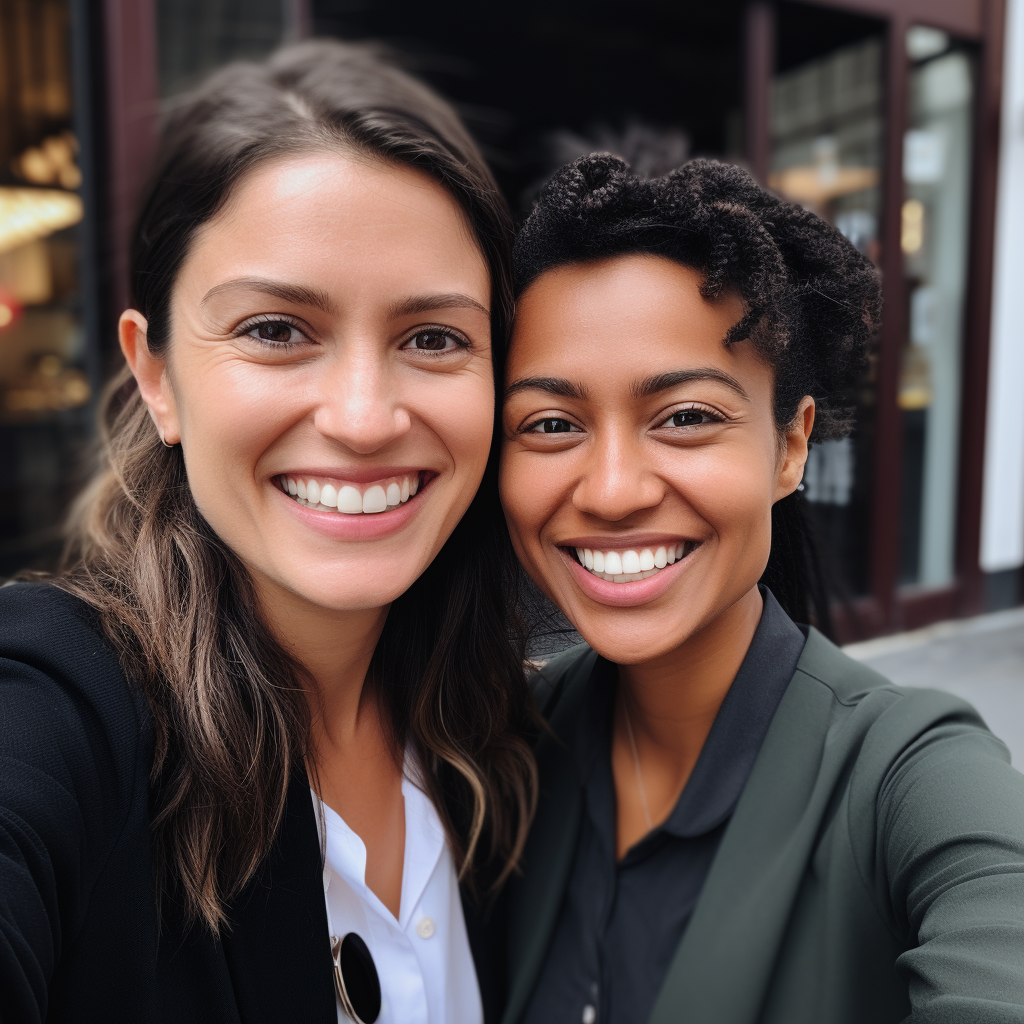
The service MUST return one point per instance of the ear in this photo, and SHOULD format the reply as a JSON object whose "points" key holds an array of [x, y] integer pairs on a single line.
{"points": [[794, 455], [150, 374]]}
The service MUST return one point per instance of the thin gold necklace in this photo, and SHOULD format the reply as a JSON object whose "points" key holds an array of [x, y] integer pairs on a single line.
{"points": [[636, 767]]}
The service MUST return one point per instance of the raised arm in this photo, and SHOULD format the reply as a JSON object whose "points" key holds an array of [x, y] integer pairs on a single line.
{"points": [[951, 838]]}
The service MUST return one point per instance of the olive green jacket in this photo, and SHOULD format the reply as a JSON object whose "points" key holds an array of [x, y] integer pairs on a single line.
{"points": [[872, 872]]}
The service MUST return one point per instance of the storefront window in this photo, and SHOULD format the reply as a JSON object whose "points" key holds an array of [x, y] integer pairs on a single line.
{"points": [[827, 133], [934, 240], [45, 410]]}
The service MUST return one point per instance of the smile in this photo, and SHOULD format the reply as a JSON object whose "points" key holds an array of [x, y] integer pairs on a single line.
{"points": [[628, 566], [332, 495]]}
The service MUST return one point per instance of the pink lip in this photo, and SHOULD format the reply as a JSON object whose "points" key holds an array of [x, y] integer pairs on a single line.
{"points": [[365, 526], [625, 595]]}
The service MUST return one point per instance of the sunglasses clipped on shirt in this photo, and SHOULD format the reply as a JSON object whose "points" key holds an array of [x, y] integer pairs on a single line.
{"points": [[355, 978]]}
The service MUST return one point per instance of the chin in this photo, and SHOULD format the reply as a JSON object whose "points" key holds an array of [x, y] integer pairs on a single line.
{"points": [[628, 640], [350, 588]]}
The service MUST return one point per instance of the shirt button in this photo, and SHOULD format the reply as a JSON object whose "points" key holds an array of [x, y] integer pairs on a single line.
{"points": [[425, 928], [589, 1014]]}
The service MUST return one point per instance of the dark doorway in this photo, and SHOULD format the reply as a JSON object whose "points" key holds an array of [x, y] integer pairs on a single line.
{"points": [[530, 78]]}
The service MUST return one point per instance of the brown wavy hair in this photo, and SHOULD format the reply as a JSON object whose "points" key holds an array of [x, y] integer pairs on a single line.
{"points": [[231, 717]]}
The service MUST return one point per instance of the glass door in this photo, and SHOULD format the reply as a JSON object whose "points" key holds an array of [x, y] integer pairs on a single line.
{"points": [[827, 135], [934, 238]]}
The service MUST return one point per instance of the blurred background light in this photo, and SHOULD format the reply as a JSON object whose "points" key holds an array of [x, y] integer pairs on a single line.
{"points": [[27, 214]]}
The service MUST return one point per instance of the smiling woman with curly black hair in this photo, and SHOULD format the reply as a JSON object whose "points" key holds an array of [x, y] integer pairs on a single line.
{"points": [[738, 823]]}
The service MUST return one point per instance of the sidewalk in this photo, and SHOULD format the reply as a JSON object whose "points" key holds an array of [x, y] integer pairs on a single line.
{"points": [[980, 660]]}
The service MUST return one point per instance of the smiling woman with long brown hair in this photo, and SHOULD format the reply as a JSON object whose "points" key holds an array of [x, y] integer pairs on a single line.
{"points": [[738, 824], [289, 573]]}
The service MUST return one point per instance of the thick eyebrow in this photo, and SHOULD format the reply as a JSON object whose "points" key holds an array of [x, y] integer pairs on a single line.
{"points": [[663, 381], [426, 303], [552, 385], [297, 293]]}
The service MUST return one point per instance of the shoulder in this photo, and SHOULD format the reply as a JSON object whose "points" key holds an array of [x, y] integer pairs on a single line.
{"points": [[41, 615], [855, 689], [890, 732], [55, 664]]}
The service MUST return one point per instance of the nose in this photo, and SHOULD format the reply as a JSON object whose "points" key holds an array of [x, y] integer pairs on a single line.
{"points": [[360, 403], [616, 481]]}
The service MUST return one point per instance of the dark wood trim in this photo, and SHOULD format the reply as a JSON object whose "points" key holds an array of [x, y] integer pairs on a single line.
{"points": [[760, 67], [860, 619], [885, 518], [978, 324], [87, 58], [298, 20], [921, 607], [963, 18], [132, 109]]}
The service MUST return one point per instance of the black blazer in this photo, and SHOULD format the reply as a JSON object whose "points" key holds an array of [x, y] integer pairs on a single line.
{"points": [[79, 939]]}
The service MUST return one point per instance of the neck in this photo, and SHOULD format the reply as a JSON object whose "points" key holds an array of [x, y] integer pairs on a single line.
{"points": [[335, 648], [672, 700]]}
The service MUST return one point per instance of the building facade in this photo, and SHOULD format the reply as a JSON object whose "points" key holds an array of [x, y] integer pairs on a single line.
{"points": [[900, 121]]}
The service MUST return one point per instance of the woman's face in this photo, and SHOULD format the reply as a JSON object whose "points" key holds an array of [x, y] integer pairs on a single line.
{"points": [[640, 459], [329, 376]]}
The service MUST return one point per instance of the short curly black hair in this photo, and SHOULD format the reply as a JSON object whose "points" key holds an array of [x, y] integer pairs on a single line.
{"points": [[812, 300]]}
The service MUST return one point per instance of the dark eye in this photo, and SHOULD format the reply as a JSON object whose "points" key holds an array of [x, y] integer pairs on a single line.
{"points": [[551, 426], [688, 418], [432, 341], [275, 332]]}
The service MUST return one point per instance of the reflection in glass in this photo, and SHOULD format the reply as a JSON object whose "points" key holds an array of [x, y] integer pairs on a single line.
{"points": [[934, 239], [827, 155]]}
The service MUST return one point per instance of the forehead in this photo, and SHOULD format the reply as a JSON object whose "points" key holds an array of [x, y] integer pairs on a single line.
{"points": [[329, 218], [621, 312]]}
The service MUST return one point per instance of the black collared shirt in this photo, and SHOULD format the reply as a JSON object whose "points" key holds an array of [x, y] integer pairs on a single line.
{"points": [[621, 923]]}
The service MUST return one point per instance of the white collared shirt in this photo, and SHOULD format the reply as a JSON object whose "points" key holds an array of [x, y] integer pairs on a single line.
{"points": [[423, 959]]}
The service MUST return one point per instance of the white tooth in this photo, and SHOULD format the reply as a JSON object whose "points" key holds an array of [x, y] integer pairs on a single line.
{"points": [[375, 500], [646, 559], [579, 555], [300, 488], [679, 551], [632, 577], [598, 561], [613, 563], [588, 558], [394, 494], [414, 485], [350, 500], [630, 562], [293, 487], [329, 496], [671, 555], [405, 488], [660, 558], [313, 492]]}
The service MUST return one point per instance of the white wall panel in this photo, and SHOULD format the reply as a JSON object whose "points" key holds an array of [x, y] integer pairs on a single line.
{"points": [[1002, 527]]}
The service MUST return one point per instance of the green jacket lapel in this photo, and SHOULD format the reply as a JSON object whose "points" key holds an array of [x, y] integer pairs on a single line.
{"points": [[535, 897], [724, 964]]}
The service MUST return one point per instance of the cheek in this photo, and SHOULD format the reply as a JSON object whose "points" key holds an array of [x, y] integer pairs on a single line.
{"points": [[229, 416], [462, 417], [733, 495], [526, 499]]}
